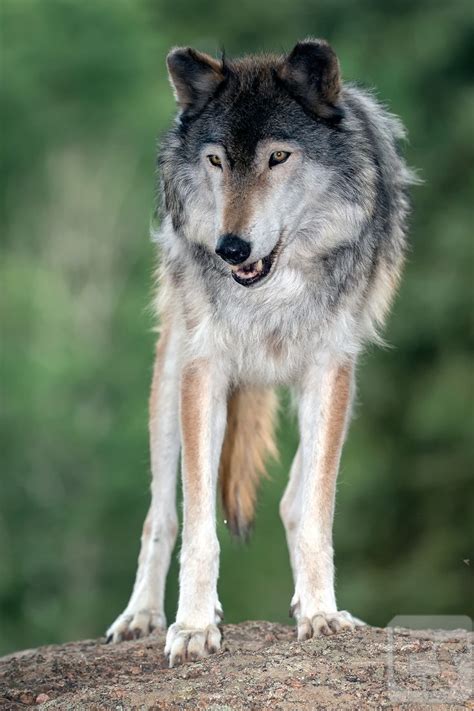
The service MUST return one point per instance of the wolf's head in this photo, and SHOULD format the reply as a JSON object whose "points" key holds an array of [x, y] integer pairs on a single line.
{"points": [[253, 148]]}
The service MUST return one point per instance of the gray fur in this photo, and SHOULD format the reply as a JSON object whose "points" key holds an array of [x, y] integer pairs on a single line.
{"points": [[275, 152], [347, 238]]}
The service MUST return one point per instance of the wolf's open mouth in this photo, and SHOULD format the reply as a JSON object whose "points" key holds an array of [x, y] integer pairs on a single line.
{"points": [[250, 274]]}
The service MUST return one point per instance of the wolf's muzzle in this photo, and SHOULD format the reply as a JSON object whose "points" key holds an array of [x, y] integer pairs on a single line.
{"points": [[233, 249]]}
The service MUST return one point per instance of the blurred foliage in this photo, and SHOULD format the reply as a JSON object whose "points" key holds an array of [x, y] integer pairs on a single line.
{"points": [[84, 94]]}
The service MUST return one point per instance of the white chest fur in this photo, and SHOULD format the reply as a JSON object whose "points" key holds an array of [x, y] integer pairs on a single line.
{"points": [[267, 335]]}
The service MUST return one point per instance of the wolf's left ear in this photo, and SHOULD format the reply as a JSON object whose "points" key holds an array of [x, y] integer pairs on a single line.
{"points": [[311, 73], [194, 77]]}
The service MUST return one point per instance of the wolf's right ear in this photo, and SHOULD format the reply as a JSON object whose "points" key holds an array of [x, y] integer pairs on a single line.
{"points": [[194, 77], [311, 73]]}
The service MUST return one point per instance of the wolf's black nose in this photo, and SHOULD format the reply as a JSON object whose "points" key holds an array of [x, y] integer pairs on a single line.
{"points": [[232, 249]]}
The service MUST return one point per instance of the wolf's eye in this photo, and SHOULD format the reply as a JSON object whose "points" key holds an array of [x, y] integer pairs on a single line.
{"points": [[278, 157], [215, 161]]}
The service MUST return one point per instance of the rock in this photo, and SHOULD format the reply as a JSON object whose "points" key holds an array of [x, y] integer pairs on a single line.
{"points": [[261, 668], [42, 698]]}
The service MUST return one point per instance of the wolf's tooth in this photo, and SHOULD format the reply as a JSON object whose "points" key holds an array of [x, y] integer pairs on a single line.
{"points": [[259, 265]]}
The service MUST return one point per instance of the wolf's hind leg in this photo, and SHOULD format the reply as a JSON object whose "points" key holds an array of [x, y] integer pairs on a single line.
{"points": [[290, 506], [145, 610]]}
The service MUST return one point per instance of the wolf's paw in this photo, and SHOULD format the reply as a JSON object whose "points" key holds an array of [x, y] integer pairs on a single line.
{"points": [[133, 625], [184, 644], [326, 623]]}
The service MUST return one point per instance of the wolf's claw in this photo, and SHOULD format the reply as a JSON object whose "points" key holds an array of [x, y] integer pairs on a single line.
{"points": [[324, 624], [184, 644], [135, 625]]}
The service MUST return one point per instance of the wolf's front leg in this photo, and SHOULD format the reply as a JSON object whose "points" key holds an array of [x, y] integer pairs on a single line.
{"points": [[324, 409], [203, 420], [145, 610]]}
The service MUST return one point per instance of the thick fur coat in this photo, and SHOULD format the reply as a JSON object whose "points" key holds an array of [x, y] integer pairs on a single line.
{"points": [[283, 208]]}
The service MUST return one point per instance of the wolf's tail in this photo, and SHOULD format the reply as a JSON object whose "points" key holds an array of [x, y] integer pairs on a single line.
{"points": [[248, 441]]}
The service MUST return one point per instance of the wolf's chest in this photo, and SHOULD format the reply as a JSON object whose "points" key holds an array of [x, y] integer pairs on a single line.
{"points": [[268, 341], [270, 335]]}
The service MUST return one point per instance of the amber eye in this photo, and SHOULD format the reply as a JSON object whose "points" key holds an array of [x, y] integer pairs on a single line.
{"points": [[278, 157], [215, 161]]}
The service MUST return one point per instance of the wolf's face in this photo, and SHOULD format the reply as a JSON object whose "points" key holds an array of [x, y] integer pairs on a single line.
{"points": [[253, 151]]}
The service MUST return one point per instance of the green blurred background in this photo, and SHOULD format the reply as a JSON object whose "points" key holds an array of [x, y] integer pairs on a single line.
{"points": [[84, 95]]}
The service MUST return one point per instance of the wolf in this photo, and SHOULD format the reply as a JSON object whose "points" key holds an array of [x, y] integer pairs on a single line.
{"points": [[283, 206]]}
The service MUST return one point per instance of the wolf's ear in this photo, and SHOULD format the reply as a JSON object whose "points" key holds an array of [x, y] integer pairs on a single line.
{"points": [[194, 77], [311, 73]]}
